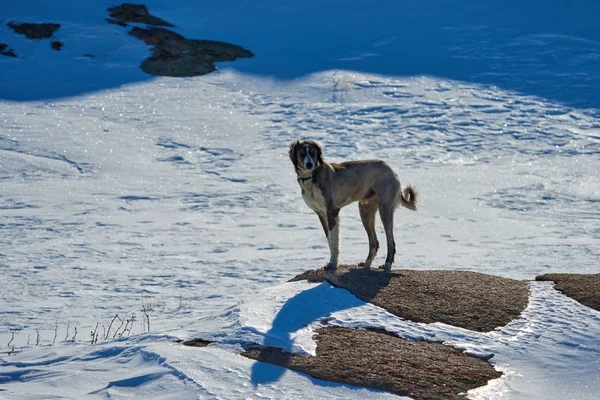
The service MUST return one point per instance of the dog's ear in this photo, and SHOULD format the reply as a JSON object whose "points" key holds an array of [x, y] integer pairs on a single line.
{"points": [[319, 148], [292, 153]]}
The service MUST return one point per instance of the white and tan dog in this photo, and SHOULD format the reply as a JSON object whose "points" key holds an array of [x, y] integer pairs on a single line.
{"points": [[326, 188]]}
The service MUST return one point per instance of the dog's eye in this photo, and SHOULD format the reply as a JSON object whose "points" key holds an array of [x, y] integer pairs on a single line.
{"points": [[303, 152]]}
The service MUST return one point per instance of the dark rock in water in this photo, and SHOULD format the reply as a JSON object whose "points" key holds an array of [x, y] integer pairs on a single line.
{"points": [[585, 288], [174, 55], [4, 52], [469, 300], [56, 45], [419, 369], [34, 31], [136, 13]]}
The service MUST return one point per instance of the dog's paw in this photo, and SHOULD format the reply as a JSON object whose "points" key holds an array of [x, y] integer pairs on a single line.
{"points": [[365, 264], [387, 267], [330, 267]]}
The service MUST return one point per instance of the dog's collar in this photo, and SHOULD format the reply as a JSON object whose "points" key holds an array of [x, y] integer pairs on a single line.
{"points": [[308, 178]]}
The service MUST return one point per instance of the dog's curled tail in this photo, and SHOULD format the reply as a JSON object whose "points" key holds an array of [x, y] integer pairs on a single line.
{"points": [[408, 198]]}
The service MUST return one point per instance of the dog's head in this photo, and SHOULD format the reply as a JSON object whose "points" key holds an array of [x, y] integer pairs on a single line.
{"points": [[306, 155]]}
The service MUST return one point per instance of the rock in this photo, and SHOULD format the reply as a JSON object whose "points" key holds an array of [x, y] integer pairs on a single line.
{"points": [[136, 13], [585, 288], [197, 343], [4, 52], [34, 31], [56, 45], [158, 37], [419, 369], [469, 300], [174, 55]]}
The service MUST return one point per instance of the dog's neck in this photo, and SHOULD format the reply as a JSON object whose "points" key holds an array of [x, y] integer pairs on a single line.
{"points": [[305, 176]]}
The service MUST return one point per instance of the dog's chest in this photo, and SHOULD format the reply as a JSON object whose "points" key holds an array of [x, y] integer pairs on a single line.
{"points": [[313, 197]]}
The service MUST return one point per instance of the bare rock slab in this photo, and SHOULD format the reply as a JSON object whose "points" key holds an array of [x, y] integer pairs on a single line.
{"points": [[196, 343], [34, 31], [421, 370], [127, 12], [174, 55], [584, 288], [469, 300], [5, 51]]}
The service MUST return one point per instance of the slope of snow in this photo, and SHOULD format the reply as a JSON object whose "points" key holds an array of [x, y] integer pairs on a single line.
{"points": [[177, 197]]}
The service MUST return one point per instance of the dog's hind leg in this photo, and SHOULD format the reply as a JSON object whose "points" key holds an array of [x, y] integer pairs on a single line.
{"points": [[368, 209], [387, 217]]}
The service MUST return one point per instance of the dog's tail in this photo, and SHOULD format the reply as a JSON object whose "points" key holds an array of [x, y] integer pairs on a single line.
{"points": [[408, 198]]}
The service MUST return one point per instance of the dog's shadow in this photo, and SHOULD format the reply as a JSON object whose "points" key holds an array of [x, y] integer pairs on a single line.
{"points": [[315, 304]]}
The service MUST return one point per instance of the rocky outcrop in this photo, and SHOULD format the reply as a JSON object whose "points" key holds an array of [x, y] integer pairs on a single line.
{"points": [[469, 300], [419, 369], [378, 359], [5, 51], [56, 45], [585, 288], [34, 31], [136, 13], [174, 55], [196, 343]]}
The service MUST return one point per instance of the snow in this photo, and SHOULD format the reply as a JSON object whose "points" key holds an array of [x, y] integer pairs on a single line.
{"points": [[120, 191]]}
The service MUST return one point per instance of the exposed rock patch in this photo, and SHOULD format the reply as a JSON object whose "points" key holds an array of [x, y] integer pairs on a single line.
{"points": [[56, 45], [585, 288], [174, 55], [421, 370], [465, 299], [127, 12], [197, 343], [5, 51], [34, 31]]}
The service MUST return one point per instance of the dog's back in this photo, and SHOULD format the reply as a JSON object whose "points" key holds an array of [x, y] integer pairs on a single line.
{"points": [[357, 180]]}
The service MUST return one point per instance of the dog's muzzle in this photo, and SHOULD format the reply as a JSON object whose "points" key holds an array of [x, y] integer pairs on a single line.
{"points": [[308, 163]]}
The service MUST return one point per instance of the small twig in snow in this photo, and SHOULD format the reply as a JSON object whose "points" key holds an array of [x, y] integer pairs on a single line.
{"points": [[93, 333], [67, 335], [110, 326]]}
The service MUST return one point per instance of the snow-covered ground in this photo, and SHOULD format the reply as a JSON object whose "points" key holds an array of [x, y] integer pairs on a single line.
{"points": [[177, 197]]}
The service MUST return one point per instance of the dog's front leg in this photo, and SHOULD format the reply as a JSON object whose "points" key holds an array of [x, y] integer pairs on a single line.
{"points": [[333, 224], [323, 219]]}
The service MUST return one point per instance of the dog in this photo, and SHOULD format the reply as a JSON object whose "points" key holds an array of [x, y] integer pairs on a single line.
{"points": [[326, 188]]}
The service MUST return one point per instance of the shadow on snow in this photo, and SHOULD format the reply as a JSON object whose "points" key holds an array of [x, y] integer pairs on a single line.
{"points": [[541, 48], [303, 309]]}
